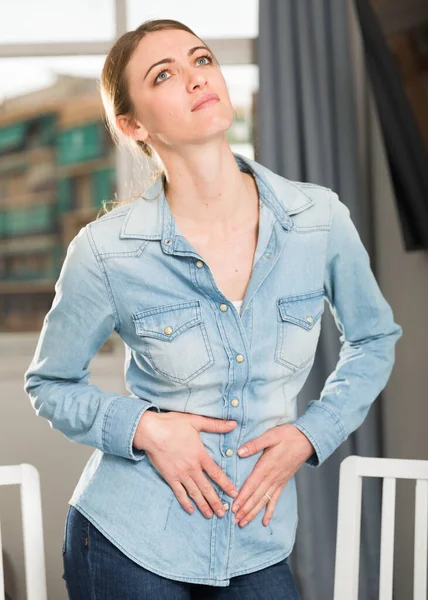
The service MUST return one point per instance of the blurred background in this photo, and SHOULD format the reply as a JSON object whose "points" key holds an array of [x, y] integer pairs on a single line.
{"points": [[334, 92]]}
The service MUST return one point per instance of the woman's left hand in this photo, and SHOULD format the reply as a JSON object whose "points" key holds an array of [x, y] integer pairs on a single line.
{"points": [[286, 449]]}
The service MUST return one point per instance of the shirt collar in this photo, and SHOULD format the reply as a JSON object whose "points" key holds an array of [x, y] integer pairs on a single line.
{"points": [[150, 217]]}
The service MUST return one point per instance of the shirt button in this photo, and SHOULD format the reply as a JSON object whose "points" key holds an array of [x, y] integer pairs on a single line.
{"points": [[235, 402], [225, 506], [229, 452], [199, 264], [168, 330], [168, 242], [310, 319], [223, 307], [239, 358]]}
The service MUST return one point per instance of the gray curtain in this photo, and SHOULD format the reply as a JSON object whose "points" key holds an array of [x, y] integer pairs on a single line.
{"points": [[313, 113]]}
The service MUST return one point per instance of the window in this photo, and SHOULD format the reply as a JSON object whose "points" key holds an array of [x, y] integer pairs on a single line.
{"points": [[219, 19], [52, 21]]}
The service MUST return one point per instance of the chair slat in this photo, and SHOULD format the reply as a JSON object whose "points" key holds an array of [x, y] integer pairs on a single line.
{"points": [[421, 538], [32, 523], [1, 568], [348, 534], [387, 539]]}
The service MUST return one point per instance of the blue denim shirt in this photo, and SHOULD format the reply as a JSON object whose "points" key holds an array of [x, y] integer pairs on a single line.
{"points": [[133, 271]]}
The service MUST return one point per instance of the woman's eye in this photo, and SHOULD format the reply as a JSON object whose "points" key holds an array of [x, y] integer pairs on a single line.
{"points": [[207, 56], [161, 73]]}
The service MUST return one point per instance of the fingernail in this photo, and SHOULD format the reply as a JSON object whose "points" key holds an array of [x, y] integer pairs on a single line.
{"points": [[236, 521], [220, 513], [242, 451], [235, 508], [234, 493], [244, 523]]}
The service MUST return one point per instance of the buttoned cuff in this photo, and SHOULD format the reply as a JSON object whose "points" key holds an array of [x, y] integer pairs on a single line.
{"points": [[323, 429], [120, 424]]}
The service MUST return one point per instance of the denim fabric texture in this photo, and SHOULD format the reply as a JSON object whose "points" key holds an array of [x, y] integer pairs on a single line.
{"points": [[133, 271], [96, 568]]}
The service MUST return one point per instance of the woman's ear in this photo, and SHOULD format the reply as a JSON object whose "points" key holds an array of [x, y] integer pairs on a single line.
{"points": [[131, 128]]}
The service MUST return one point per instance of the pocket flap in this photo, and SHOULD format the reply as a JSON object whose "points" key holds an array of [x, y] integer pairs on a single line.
{"points": [[302, 310], [169, 321]]}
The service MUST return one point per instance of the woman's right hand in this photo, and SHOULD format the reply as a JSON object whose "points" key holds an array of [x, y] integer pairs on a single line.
{"points": [[172, 443]]}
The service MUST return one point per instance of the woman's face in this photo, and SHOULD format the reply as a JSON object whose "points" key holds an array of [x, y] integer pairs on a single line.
{"points": [[164, 95]]}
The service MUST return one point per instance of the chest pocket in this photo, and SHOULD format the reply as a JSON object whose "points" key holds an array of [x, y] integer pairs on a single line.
{"points": [[175, 339], [299, 326]]}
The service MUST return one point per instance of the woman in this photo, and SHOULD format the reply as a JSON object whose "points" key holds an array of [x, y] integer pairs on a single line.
{"points": [[216, 281]]}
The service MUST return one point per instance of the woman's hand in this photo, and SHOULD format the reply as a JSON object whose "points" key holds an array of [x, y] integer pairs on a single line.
{"points": [[286, 449], [172, 443]]}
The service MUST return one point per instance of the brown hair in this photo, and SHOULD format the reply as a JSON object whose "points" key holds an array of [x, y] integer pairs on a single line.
{"points": [[116, 99]]}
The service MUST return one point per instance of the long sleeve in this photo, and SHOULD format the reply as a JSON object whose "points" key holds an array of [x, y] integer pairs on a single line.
{"points": [[368, 338], [80, 320]]}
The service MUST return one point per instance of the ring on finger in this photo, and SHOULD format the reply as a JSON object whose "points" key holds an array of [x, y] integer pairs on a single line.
{"points": [[246, 518]]}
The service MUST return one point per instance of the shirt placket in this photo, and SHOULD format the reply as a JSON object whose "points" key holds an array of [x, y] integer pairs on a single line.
{"points": [[237, 344]]}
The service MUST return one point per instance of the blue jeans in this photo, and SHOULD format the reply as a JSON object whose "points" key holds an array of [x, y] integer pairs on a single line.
{"points": [[94, 568]]}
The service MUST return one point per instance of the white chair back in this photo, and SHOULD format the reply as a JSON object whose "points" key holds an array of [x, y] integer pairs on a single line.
{"points": [[27, 476], [352, 470]]}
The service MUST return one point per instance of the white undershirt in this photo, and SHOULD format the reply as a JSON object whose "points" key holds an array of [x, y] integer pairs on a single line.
{"points": [[237, 304]]}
